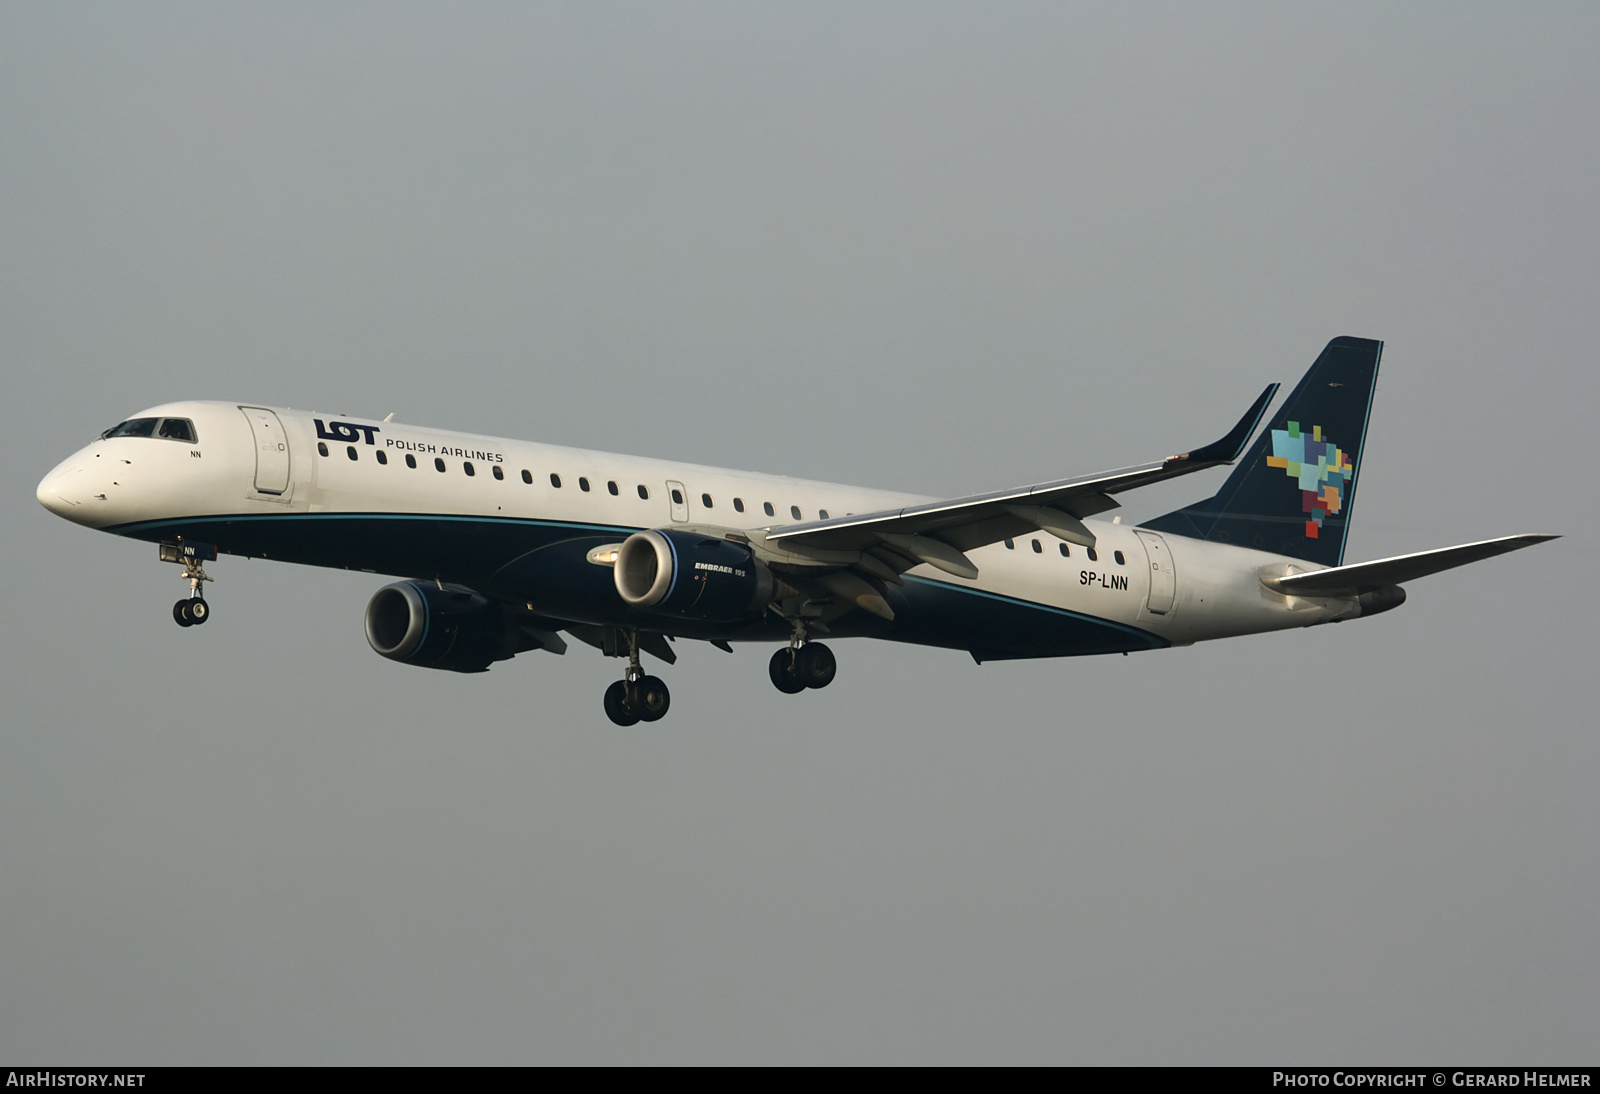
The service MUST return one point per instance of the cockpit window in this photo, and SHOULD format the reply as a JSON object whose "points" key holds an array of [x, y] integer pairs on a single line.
{"points": [[172, 429], [133, 427], [177, 429]]}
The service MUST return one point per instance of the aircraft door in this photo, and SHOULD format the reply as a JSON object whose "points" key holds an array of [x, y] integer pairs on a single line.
{"points": [[679, 497], [272, 450], [1163, 578]]}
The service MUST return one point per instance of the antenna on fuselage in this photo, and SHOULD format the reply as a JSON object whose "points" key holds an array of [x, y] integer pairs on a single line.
{"points": [[390, 417]]}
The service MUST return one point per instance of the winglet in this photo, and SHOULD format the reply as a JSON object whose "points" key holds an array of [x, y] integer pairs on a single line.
{"points": [[1228, 449]]}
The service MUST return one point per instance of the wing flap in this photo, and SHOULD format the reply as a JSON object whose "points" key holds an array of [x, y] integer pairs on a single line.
{"points": [[1367, 576]]}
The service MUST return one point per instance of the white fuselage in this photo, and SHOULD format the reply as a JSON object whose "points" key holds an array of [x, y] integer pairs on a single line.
{"points": [[133, 485]]}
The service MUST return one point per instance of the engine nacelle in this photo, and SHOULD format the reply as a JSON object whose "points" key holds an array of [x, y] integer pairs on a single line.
{"points": [[450, 628], [691, 575]]}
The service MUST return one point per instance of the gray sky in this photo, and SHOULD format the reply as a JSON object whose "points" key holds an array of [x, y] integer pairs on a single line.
{"points": [[936, 247]]}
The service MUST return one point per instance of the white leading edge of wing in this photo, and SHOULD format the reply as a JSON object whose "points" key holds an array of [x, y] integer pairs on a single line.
{"points": [[938, 532]]}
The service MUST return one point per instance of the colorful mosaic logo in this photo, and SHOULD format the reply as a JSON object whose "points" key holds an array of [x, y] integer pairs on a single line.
{"points": [[1321, 468]]}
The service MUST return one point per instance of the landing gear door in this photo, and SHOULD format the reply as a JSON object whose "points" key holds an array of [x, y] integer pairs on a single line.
{"points": [[680, 501], [1163, 578], [272, 450]]}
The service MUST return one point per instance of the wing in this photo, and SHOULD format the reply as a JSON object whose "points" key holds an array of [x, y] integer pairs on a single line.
{"points": [[938, 533], [1366, 576]]}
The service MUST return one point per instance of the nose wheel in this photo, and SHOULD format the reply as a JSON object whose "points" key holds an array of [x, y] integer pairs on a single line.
{"points": [[190, 613], [637, 697]]}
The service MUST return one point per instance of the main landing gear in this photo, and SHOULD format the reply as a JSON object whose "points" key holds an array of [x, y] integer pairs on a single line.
{"points": [[636, 697], [193, 610], [802, 664], [639, 697]]}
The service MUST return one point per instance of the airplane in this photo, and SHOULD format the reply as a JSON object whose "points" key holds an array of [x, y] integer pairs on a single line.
{"points": [[503, 545]]}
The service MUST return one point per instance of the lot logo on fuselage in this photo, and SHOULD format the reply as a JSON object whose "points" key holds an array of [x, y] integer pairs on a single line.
{"points": [[1321, 468], [347, 432]]}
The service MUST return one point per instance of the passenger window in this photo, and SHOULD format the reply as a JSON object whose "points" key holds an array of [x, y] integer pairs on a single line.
{"points": [[583, 484], [527, 476], [350, 450], [643, 493], [411, 461], [498, 474], [382, 456], [467, 467], [177, 429], [555, 480], [1010, 546], [767, 505], [1037, 549], [1064, 552], [705, 499], [1094, 556], [438, 464], [738, 505], [611, 488], [677, 496], [823, 513], [1118, 556], [322, 448], [794, 511]]}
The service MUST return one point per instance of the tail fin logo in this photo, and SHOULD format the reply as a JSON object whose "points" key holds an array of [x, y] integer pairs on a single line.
{"points": [[1322, 469]]}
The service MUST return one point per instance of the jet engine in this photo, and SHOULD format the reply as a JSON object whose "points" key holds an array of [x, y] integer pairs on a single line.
{"points": [[450, 628], [691, 575]]}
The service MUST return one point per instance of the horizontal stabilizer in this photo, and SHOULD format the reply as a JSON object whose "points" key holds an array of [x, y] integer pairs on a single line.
{"points": [[1366, 576]]}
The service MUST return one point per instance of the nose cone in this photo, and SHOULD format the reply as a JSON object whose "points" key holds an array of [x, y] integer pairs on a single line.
{"points": [[59, 491]]}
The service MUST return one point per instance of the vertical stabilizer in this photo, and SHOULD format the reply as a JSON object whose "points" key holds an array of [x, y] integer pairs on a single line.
{"points": [[1293, 492]]}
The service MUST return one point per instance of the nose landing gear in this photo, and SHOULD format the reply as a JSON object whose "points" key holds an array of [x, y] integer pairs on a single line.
{"points": [[194, 610], [637, 697]]}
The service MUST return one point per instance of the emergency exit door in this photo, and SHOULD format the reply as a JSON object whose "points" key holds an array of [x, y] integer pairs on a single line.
{"points": [[678, 496]]}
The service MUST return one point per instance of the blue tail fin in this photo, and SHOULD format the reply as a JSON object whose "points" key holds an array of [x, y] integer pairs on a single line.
{"points": [[1294, 491]]}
